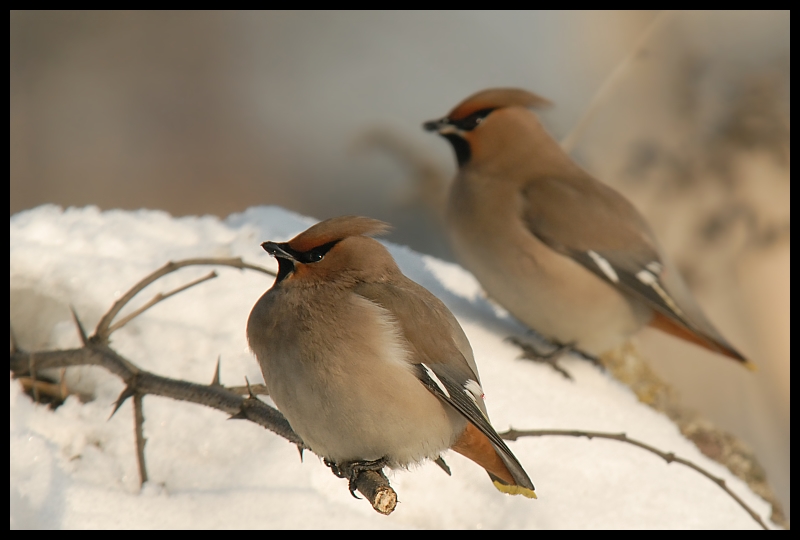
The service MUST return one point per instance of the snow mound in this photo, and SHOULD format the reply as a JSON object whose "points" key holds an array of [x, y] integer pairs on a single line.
{"points": [[75, 468]]}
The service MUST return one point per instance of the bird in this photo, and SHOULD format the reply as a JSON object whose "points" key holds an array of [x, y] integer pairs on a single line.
{"points": [[369, 368], [565, 254]]}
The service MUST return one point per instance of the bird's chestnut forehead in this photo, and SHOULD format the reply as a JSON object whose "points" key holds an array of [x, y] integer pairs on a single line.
{"points": [[335, 229], [497, 98]]}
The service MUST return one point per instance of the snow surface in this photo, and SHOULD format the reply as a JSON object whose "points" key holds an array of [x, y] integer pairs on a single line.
{"points": [[75, 468]]}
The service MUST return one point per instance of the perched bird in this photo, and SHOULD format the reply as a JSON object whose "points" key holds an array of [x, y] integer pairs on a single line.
{"points": [[369, 368], [565, 254]]}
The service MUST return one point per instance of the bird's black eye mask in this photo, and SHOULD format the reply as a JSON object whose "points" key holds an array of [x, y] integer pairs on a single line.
{"points": [[454, 137], [285, 266], [472, 121]]}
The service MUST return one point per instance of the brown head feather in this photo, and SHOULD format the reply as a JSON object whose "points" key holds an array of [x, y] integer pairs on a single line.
{"points": [[496, 98], [337, 228]]}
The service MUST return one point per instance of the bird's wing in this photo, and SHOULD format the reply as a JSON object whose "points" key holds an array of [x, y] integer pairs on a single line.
{"points": [[597, 227], [467, 398], [432, 332], [441, 357]]}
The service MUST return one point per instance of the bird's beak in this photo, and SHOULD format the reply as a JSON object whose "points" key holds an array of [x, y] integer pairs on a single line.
{"points": [[437, 125], [278, 250]]}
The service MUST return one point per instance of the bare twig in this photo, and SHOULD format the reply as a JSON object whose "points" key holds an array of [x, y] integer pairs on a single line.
{"points": [[374, 485], [52, 390], [156, 299], [138, 419], [613, 79], [102, 332], [513, 434]]}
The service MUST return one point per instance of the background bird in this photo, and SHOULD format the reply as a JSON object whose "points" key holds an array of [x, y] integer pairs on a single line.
{"points": [[564, 253], [368, 367]]}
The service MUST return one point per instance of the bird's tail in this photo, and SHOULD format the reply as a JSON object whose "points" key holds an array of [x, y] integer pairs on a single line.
{"points": [[505, 471], [511, 489]]}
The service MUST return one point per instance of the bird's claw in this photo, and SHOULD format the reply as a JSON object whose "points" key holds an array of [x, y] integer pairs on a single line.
{"points": [[551, 358], [351, 470]]}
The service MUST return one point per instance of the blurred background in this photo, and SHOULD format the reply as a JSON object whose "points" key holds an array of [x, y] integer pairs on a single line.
{"points": [[321, 112]]}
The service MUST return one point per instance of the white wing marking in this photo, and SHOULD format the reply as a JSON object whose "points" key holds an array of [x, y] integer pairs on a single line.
{"points": [[604, 265], [649, 279], [433, 376], [654, 267]]}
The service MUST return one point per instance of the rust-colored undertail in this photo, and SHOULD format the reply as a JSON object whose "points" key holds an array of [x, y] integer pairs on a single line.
{"points": [[673, 328], [476, 446]]}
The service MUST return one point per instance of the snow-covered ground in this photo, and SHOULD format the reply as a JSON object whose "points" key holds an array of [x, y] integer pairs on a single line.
{"points": [[75, 468]]}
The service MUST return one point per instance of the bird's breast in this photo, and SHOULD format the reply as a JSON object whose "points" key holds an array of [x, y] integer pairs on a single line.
{"points": [[547, 291], [340, 370]]}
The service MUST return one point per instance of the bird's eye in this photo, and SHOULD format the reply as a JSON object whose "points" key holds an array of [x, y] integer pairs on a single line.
{"points": [[316, 254], [472, 121]]}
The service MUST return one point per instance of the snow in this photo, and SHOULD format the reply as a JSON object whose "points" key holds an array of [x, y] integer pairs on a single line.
{"points": [[76, 468]]}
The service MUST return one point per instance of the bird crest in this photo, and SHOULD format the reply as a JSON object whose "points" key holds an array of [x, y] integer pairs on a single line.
{"points": [[497, 98], [335, 229]]}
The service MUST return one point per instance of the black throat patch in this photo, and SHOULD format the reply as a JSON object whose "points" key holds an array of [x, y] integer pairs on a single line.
{"points": [[285, 267], [460, 146]]}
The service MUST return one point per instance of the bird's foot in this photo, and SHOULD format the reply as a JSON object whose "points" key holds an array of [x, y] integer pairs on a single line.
{"points": [[351, 470], [551, 358]]}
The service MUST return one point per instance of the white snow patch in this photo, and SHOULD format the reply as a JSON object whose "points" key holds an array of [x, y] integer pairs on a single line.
{"points": [[453, 277]]}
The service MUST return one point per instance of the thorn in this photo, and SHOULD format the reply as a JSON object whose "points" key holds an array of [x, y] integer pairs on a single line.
{"points": [[238, 416], [300, 449], [81, 331], [215, 380], [440, 462], [249, 390], [123, 397]]}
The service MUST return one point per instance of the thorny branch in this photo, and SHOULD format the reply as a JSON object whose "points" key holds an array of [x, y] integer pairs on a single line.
{"points": [[514, 434], [140, 383], [95, 351]]}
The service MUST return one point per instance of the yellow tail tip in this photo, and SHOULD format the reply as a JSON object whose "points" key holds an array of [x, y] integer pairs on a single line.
{"points": [[751, 366], [515, 490]]}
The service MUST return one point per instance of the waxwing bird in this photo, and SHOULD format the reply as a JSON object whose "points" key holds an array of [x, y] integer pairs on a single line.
{"points": [[562, 252], [367, 366]]}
